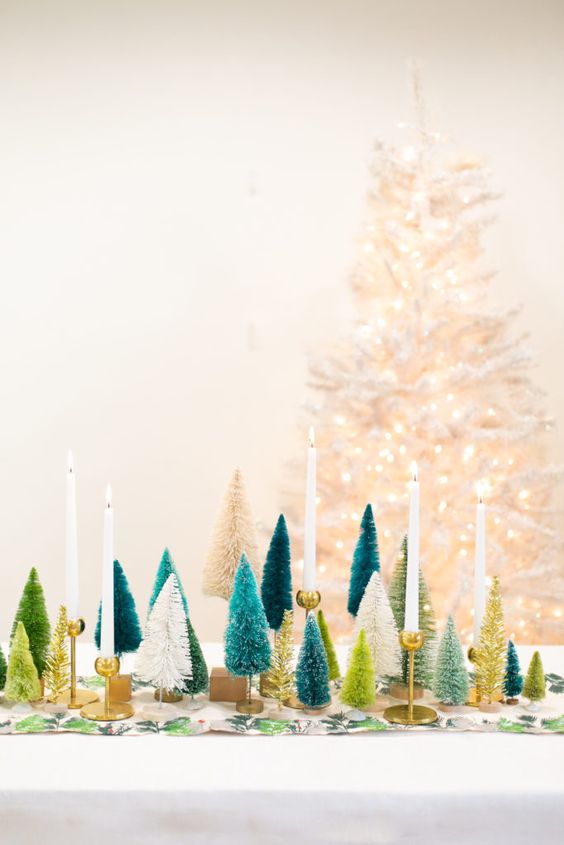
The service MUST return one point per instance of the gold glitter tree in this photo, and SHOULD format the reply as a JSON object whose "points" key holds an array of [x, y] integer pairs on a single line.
{"points": [[490, 654], [57, 667], [280, 678]]}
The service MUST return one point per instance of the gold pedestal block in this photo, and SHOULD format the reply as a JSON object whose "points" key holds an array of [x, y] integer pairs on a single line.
{"points": [[226, 687], [120, 688]]}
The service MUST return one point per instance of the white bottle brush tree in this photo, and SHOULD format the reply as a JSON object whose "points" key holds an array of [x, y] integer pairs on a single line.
{"points": [[164, 657], [375, 617]]}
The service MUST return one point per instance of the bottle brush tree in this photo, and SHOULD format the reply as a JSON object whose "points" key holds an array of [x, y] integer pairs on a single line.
{"points": [[3, 668], [280, 678], [359, 685], [332, 662], [57, 666], [276, 588], [513, 679], [127, 631], [312, 671], [164, 658], [451, 678], [198, 682], [247, 650], [490, 654], [234, 534], [424, 658], [366, 560], [22, 680], [534, 687], [33, 613], [376, 618], [166, 567]]}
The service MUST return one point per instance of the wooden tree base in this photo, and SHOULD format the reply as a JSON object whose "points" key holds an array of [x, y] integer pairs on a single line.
{"points": [[399, 691]]}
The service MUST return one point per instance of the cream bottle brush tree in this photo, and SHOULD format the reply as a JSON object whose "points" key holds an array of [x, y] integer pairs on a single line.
{"points": [[431, 371], [234, 535]]}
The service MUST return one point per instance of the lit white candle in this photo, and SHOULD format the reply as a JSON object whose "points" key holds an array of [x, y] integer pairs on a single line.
{"points": [[479, 565], [309, 533], [71, 558], [411, 621], [107, 625]]}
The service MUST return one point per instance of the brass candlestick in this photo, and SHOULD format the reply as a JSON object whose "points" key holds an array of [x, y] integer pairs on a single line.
{"points": [[75, 698], [308, 599], [107, 711], [410, 713]]}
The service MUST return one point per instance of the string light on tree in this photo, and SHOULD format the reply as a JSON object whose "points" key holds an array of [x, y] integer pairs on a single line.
{"points": [[450, 372]]}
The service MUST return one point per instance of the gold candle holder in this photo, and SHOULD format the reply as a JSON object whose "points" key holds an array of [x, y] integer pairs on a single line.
{"points": [[75, 698], [410, 713], [107, 711], [308, 599]]}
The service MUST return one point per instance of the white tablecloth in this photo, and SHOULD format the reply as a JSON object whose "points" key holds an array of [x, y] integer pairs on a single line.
{"points": [[432, 788]]}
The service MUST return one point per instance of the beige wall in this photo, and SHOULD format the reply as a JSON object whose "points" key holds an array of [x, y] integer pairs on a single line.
{"points": [[180, 190]]}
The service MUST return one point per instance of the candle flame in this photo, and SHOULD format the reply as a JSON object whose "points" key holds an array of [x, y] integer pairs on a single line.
{"points": [[311, 437], [108, 496], [70, 461], [414, 471], [480, 492]]}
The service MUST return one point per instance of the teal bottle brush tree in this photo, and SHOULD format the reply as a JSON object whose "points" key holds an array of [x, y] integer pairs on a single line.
{"points": [[451, 678], [247, 649], [198, 682], [276, 588], [127, 631], [312, 671], [366, 560], [166, 567], [513, 679]]}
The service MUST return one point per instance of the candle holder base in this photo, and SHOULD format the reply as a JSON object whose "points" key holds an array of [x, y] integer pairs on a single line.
{"points": [[107, 710], [410, 713], [80, 698], [399, 715], [99, 712]]}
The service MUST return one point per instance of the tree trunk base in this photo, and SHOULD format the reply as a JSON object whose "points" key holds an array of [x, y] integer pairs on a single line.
{"points": [[400, 692], [489, 706]]}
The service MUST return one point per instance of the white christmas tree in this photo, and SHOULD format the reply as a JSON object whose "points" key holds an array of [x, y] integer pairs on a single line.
{"points": [[376, 618], [234, 534], [164, 657], [433, 372]]}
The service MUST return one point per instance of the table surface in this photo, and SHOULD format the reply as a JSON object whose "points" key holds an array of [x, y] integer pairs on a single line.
{"points": [[384, 787]]}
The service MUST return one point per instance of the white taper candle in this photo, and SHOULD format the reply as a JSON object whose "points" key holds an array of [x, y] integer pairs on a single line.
{"points": [[71, 555], [411, 621], [309, 532], [107, 624], [479, 565]]}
